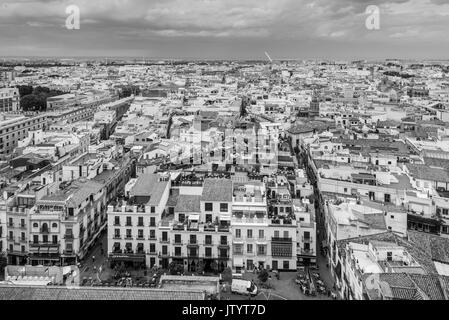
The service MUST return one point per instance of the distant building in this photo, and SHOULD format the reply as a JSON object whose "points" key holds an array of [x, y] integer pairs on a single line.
{"points": [[9, 100]]}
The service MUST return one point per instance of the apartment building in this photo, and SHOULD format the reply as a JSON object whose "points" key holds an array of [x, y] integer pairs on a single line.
{"points": [[200, 228], [64, 225], [14, 128], [9, 100], [133, 223], [306, 231], [249, 226]]}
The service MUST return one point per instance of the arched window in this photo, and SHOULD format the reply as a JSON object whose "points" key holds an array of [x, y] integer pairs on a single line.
{"points": [[35, 225], [44, 227]]}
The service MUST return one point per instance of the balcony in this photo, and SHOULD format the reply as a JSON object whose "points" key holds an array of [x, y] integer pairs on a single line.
{"points": [[129, 237], [117, 236], [152, 237], [279, 239], [22, 226], [140, 237], [177, 254], [68, 252], [68, 236], [153, 253], [192, 255], [222, 228], [116, 224], [177, 242], [193, 243], [163, 255], [307, 240], [208, 243], [164, 240], [223, 244], [303, 251]]}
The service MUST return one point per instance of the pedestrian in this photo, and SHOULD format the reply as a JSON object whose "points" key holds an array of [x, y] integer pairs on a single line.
{"points": [[93, 259]]}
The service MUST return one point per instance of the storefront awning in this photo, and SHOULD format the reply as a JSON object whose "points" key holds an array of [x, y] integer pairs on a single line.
{"points": [[238, 261], [128, 258], [53, 250]]}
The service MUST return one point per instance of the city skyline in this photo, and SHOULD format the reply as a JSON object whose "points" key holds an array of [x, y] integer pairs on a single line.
{"points": [[322, 29]]}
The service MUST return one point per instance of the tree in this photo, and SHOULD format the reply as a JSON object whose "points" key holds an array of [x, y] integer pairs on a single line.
{"points": [[226, 276], [263, 276], [25, 90], [32, 102], [175, 268]]}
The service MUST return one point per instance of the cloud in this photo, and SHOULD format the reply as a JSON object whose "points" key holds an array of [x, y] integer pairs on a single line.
{"points": [[249, 24]]}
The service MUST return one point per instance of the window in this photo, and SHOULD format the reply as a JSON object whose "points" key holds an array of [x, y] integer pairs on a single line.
{"points": [[140, 233], [177, 238], [249, 248], [152, 221], [164, 250], [208, 239], [128, 221], [45, 238], [54, 225], [164, 236], [445, 212], [261, 234], [116, 221], [285, 234], [208, 252], [178, 251], [117, 233], [152, 234], [35, 239], [286, 265], [208, 206], [389, 256], [55, 239], [208, 218], [276, 233], [238, 233], [193, 239], [140, 222], [152, 247], [249, 233], [223, 240], [22, 237], [387, 198], [223, 207], [182, 217], [128, 233], [153, 209], [35, 225]]}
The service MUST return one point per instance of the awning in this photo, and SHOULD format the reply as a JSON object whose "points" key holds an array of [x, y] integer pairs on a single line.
{"points": [[238, 261], [53, 250], [128, 258], [194, 217]]}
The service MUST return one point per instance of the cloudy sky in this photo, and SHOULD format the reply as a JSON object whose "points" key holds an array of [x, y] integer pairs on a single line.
{"points": [[232, 29]]}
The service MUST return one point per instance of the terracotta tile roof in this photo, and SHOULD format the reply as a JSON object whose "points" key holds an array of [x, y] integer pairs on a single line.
{"points": [[94, 293]]}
